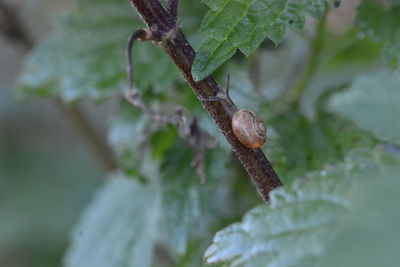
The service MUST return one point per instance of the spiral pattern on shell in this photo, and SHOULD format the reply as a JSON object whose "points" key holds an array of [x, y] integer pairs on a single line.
{"points": [[249, 129]]}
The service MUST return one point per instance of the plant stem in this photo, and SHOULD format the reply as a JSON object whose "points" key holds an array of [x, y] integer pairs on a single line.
{"points": [[11, 27], [181, 52], [317, 45]]}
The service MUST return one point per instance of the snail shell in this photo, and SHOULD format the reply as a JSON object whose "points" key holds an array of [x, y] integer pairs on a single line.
{"points": [[249, 129]]}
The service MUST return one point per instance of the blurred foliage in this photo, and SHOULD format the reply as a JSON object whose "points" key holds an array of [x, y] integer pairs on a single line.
{"points": [[171, 211], [374, 218], [85, 52], [380, 116], [43, 185], [302, 220], [381, 23], [153, 211], [115, 231]]}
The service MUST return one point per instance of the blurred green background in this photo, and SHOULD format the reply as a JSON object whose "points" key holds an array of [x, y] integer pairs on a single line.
{"points": [[48, 170]]}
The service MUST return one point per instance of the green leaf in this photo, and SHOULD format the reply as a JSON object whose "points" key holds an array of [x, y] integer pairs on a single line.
{"points": [[127, 136], [85, 55], [344, 58], [190, 207], [244, 24], [382, 24], [309, 145], [183, 197], [298, 225], [369, 236], [372, 102], [185, 207], [119, 228]]}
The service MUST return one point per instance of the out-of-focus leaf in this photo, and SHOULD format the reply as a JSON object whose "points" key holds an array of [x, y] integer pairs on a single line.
{"points": [[127, 136], [308, 145], [300, 219], [369, 236], [343, 58], [381, 24], [184, 207], [85, 56], [304, 143], [372, 102], [391, 2], [190, 207], [276, 70], [119, 228], [244, 24]]}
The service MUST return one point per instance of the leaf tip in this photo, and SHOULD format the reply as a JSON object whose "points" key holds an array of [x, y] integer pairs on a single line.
{"points": [[197, 73]]}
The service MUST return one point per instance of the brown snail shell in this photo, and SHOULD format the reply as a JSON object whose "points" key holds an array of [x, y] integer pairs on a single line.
{"points": [[249, 129]]}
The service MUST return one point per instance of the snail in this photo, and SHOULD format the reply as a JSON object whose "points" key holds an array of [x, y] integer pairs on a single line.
{"points": [[246, 126]]}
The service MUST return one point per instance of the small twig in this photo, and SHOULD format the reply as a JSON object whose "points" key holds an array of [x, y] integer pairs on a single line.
{"points": [[195, 137], [198, 139], [11, 27], [182, 53]]}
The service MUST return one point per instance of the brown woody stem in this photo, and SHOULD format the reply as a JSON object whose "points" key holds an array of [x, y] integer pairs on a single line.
{"points": [[181, 52]]}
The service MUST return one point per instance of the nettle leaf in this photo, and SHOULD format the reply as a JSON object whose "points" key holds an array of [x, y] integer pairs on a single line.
{"points": [[382, 24], [119, 228], [244, 24], [374, 217], [301, 219], [372, 102], [85, 56]]}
